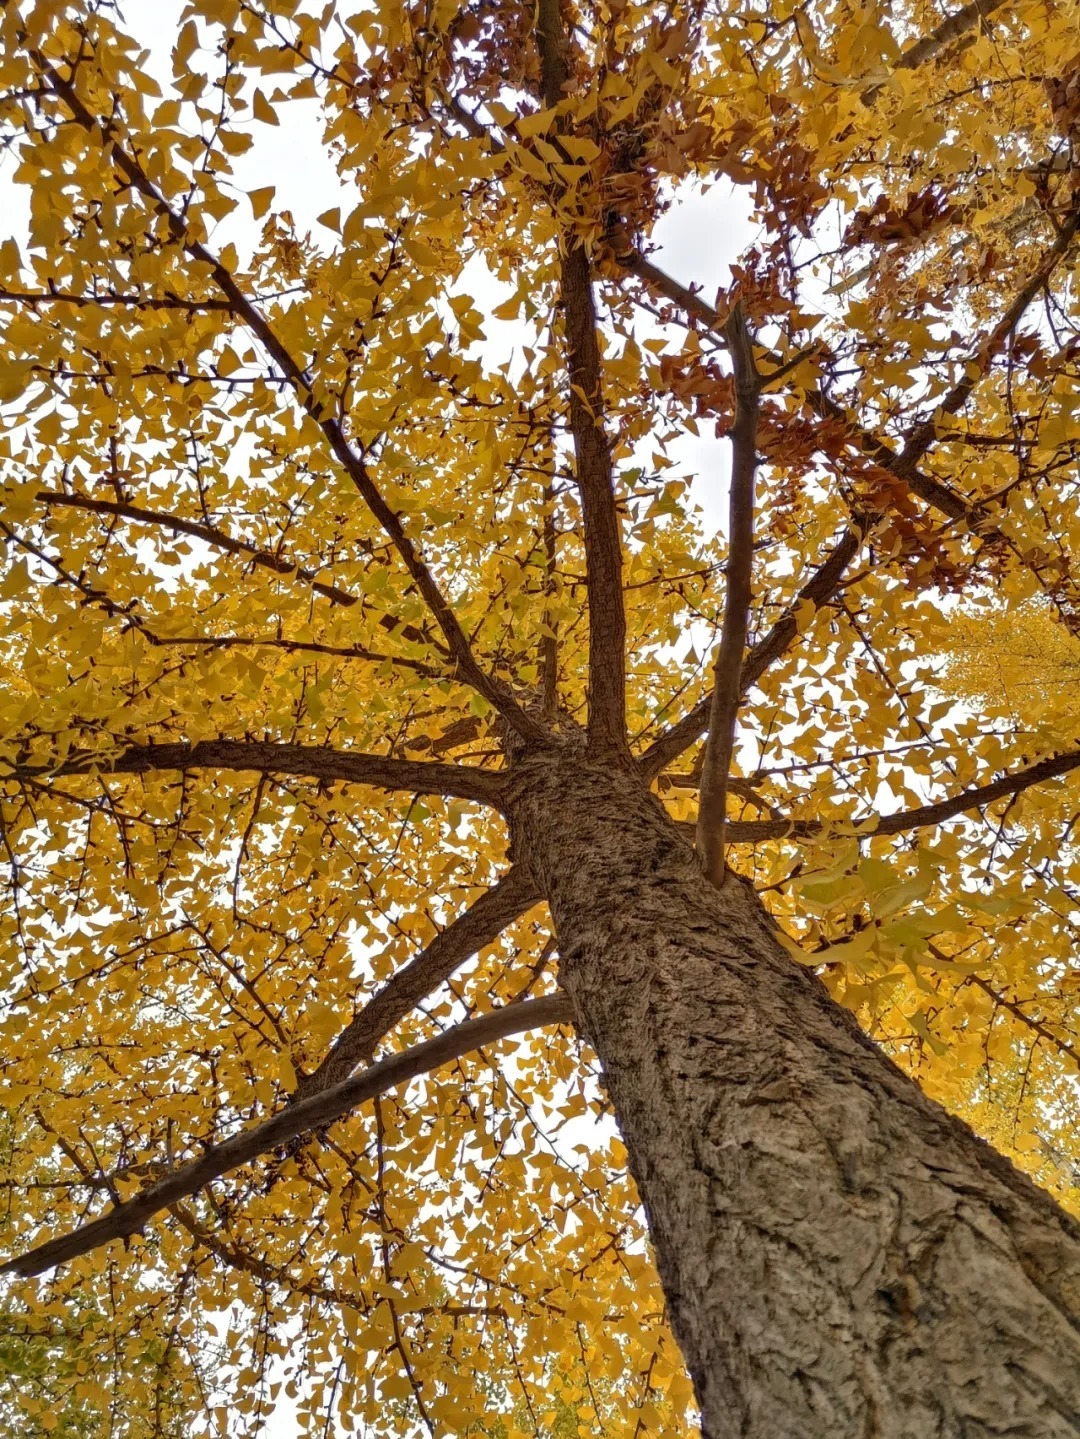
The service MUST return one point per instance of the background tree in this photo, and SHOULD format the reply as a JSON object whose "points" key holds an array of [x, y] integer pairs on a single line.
{"points": [[354, 706]]}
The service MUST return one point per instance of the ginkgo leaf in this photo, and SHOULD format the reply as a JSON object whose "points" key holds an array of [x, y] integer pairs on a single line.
{"points": [[261, 200], [263, 110]]}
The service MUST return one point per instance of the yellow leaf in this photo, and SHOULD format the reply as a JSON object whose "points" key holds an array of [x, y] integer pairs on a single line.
{"points": [[262, 109], [261, 200]]}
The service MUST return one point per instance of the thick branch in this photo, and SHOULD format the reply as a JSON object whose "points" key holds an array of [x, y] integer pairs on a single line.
{"points": [[603, 547], [480, 925], [727, 675], [960, 24], [549, 640], [295, 1119], [1015, 782], [592, 452], [316, 762], [490, 686]]}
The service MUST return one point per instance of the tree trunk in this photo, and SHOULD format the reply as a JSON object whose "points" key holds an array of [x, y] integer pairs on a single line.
{"points": [[840, 1256]]}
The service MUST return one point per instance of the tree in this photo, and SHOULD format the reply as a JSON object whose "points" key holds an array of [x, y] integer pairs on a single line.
{"points": [[354, 706]]}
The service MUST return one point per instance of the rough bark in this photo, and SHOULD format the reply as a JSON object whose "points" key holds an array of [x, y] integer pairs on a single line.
{"points": [[840, 1256]]}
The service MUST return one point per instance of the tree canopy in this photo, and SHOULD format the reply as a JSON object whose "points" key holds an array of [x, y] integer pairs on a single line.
{"points": [[295, 558]]}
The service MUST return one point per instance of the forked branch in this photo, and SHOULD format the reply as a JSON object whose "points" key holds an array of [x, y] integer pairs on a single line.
{"points": [[927, 487], [480, 925], [816, 592], [986, 350], [727, 674], [903, 464]]}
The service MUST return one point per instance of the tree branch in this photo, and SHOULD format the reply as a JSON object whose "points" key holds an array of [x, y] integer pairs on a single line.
{"points": [[490, 686], [234, 1257], [107, 301], [1015, 782], [211, 535], [296, 1119], [316, 762], [592, 452], [277, 642], [816, 592], [923, 436], [727, 674], [480, 925], [1017, 1011], [903, 465], [549, 640], [940, 496], [267, 559], [960, 23]]}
